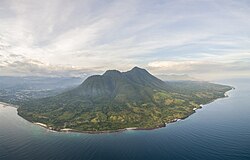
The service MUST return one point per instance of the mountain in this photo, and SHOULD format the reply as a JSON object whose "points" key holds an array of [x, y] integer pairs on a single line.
{"points": [[118, 100], [134, 85]]}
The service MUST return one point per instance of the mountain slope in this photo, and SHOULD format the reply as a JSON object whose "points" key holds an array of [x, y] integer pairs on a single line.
{"points": [[134, 85], [117, 100]]}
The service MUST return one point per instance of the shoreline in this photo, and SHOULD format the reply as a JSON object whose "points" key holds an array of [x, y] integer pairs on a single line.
{"points": [[69, 130], [8, 104]]}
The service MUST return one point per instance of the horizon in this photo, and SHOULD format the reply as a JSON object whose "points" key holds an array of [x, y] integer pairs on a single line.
{"points": [[163, 77], [84, 77], [208, 40]]}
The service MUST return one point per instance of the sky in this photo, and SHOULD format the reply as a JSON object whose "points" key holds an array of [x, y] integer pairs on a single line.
{"points": [[209, 39]]}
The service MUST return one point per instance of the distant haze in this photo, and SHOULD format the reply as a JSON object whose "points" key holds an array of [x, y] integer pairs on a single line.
{"points": [[203, 39], [174, 77]]}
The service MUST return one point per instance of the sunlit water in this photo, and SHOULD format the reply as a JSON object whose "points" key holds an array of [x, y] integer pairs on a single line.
{"points": [[220, 130]]}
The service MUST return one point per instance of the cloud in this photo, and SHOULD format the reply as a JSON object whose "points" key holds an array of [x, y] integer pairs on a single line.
{"points": [[97, 35], [18, 65], [202, 69], [34, 68]]}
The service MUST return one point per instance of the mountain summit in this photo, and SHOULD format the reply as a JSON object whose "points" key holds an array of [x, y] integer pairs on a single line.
{"points": [[134, 85], [118, 100]]}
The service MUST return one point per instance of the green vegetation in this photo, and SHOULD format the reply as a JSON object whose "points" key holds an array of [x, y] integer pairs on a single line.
{"points": [[117, 100]]}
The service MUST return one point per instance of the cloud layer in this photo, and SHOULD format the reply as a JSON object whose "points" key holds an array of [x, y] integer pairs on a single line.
{"points": [[65, 38]]}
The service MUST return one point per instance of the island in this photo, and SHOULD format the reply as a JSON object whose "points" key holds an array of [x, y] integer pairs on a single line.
{"points": [[117, 101]]}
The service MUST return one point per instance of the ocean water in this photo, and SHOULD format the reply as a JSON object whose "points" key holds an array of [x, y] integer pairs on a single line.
{"points": [[218, 131]]}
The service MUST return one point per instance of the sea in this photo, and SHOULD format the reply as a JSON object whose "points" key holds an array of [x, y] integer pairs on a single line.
{"points": [[218, 131]]}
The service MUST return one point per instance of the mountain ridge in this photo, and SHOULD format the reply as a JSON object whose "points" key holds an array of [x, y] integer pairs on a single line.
{"points": [[112, 82]]}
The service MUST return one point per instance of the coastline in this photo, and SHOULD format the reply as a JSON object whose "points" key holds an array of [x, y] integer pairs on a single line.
{"points": [[8, 104], [69, 130]]}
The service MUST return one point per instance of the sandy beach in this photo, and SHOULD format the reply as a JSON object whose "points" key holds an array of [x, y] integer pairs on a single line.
{"points": [[41, 124]]}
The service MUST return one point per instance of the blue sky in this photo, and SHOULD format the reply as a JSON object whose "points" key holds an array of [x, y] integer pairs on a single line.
{"points": [[203, 38]]}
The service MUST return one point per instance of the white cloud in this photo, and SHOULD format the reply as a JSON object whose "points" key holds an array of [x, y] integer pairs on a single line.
{"points": [[98, 35], [20, 66], [206, 68]]}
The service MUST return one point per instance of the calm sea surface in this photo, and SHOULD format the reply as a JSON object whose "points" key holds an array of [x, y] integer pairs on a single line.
{"points": [[220, 130]]}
